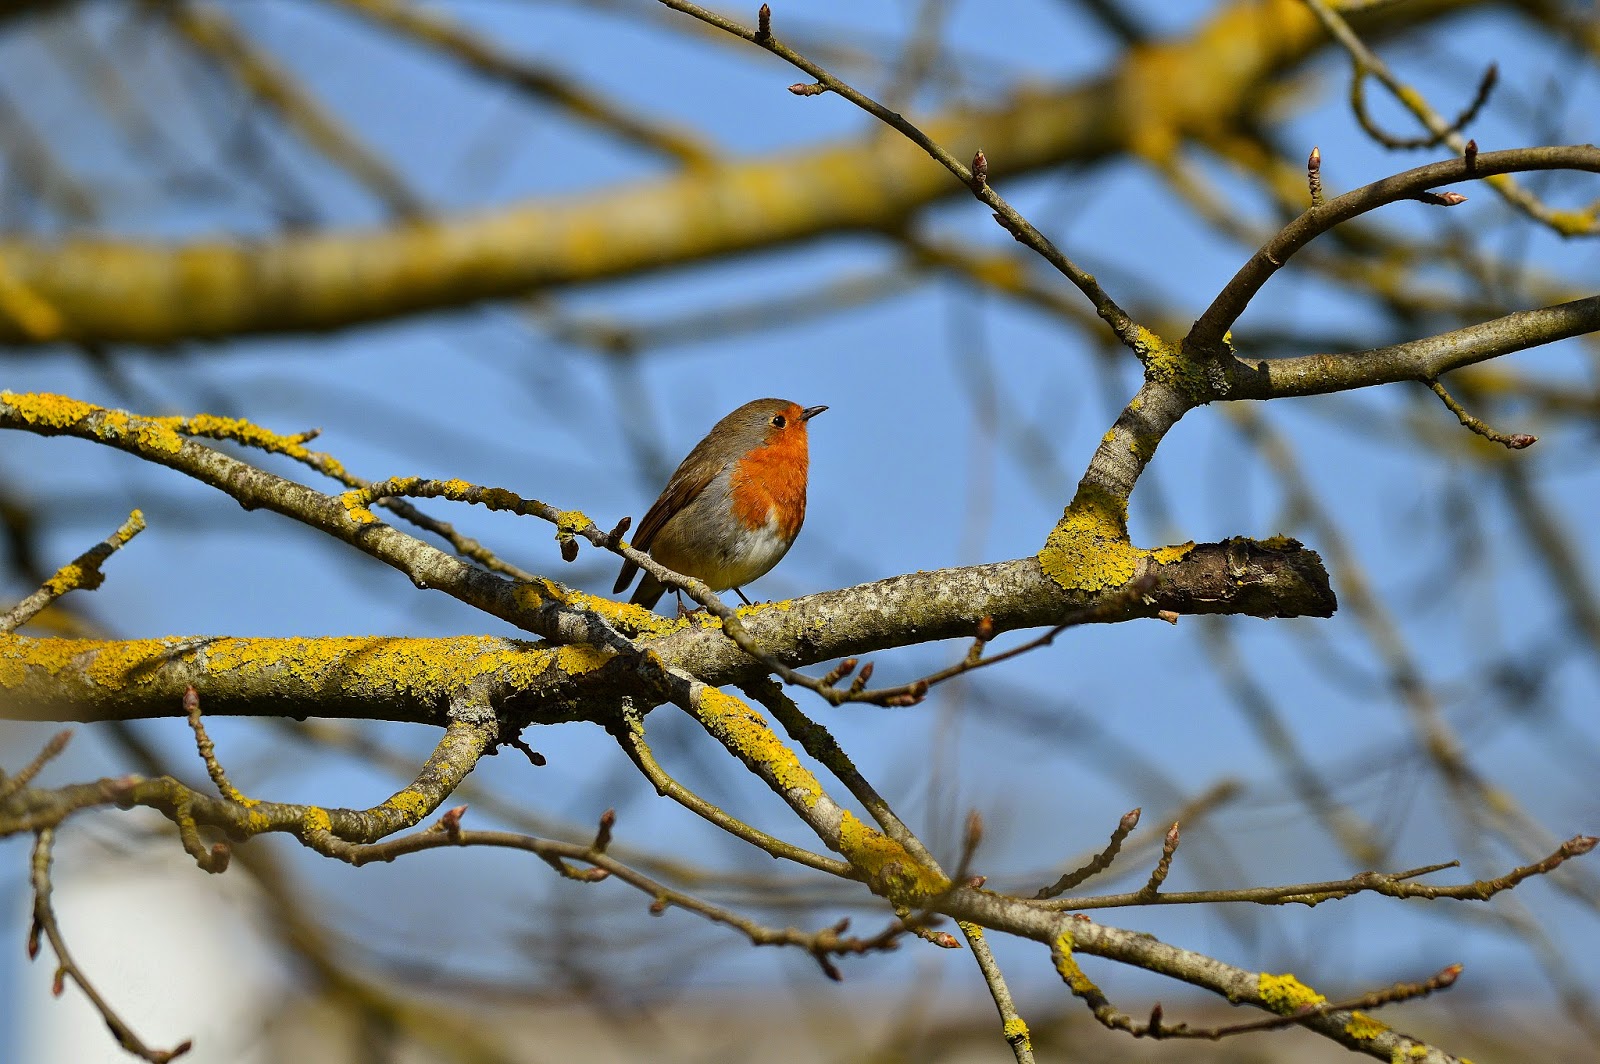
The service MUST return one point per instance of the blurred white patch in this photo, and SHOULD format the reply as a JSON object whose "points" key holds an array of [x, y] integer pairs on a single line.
{"points": [[177, 952]]}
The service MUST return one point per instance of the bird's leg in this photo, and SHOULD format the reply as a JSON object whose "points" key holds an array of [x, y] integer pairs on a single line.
{"points": [[740, 593], [682, 610]]}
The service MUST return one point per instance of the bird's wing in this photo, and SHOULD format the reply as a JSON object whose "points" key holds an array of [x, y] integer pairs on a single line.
{"points": [[686, 484]]}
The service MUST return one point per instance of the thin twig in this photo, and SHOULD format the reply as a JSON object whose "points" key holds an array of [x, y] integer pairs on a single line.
{"points": [[10, 785], [1007, 216], [82, 573], [1158, 875], [44, 922], [1516, 441], [1099, 863], [1567, 223], [1358, 103], [1011, 1021], [1393, 885]]}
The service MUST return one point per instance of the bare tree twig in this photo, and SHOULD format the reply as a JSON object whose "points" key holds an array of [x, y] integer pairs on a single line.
{"points": [[44, 923], [1006, 215]]}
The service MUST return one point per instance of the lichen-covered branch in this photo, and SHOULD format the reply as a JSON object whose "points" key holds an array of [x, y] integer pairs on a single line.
{"points": [[408, 679], [132, 291], [1415, 360], [81, 574]]}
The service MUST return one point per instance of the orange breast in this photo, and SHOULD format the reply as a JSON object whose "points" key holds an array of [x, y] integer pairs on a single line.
{"points": [[771, 480]]}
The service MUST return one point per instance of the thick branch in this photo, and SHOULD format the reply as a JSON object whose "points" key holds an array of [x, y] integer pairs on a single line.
{"points": [[1418, 360], [409, 679], [121, 291]]}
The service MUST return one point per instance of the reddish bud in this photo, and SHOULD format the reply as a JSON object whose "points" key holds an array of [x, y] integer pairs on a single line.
{"points": [[602, 837], [802, 88]]}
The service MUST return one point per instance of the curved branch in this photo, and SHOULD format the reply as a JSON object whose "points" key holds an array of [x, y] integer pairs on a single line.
{"points": [[1219, 317]]}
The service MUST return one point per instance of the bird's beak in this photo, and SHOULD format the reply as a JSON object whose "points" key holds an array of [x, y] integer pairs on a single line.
{"points": [[810, 412]]}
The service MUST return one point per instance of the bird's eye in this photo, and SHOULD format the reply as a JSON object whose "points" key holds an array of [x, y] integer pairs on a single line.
{"points": [[778, 421]]}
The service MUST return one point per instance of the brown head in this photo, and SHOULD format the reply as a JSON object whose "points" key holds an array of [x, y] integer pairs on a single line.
{"points": [[760, 424]]}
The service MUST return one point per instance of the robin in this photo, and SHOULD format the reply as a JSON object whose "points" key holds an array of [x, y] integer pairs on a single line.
{"points": [[734, 505]]}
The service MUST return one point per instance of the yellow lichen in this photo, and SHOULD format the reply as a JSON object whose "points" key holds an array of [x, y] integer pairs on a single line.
{"points": [[355, 506], [316, 818], [130, 528], [1168, 555], [743, 731], [577, 659], [622, 614], [46, 410], [1015, 1030], [571, 521], [1088, 550], [1068, 969], [1143, 447], [890, 869], [67, 578], [359, 666], [1412, 1051], [413, 805], [758, 607], [496, 498], [1284, 994], [1167, 363], [1364, 1027], [1573, 222]]}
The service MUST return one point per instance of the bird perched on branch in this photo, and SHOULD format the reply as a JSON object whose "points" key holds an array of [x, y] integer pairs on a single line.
{"points": [[734, 505]]}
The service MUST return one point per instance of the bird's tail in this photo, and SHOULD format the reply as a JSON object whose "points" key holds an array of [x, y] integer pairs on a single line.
{"points": [[648, 593], [624, 578]]}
